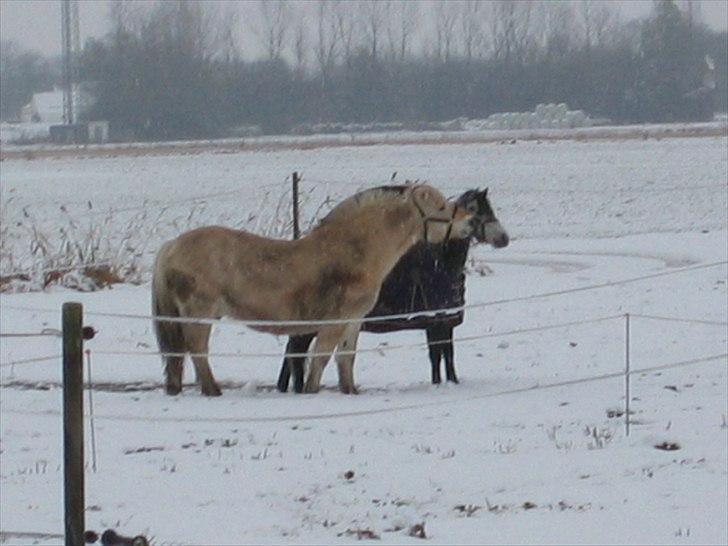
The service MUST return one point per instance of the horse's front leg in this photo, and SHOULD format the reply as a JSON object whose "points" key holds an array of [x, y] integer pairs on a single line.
{"points": [[326, 341], [345, 362]]}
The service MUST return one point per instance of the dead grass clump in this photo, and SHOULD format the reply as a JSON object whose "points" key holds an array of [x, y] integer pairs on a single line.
{"points": [[103, 276], [7, 280], [360, 534]]}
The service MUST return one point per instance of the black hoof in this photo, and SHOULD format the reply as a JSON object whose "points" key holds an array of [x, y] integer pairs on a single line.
{"points": [[173, 390]]}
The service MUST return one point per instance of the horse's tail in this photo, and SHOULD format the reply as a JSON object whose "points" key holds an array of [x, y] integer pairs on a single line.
{"points": [[170, 337]]}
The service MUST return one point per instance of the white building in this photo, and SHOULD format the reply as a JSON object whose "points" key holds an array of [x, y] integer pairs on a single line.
{"points": [[46, 107]]}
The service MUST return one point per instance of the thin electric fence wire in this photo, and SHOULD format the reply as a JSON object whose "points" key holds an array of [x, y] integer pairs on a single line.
{"points": [[380, 349], [375, 411], [681, 319], [30, 360], [39, 334], [524, 189], [397, 316], [145, 206]]}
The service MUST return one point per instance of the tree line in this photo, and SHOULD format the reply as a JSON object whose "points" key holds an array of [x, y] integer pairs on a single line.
{"points": [[175, 69]]}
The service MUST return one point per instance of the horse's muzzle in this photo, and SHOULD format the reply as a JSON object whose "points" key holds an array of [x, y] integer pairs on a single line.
{"points": [[501, 241]]}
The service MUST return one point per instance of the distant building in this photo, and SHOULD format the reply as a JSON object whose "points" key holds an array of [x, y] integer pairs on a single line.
{"points": [[46, 107]]}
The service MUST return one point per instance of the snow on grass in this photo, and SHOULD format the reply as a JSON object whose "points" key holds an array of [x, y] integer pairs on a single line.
{"points": [[490, 461]]}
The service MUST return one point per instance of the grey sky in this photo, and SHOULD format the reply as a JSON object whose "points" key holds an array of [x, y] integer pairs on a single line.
{"points": [[35, 24]]}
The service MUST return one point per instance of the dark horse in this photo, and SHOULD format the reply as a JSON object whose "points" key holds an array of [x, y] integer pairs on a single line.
{"points": [[429, 276]]}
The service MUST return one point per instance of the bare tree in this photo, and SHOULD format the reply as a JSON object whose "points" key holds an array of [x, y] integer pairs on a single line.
{"points": [[471, 31], [222, 20], [374, 15], [446, 18], [598, 22], [275, 22], [401, 24], [191, 28], [556, 29], [347, 29], [325, 49], [300, 46], [128, 16], [510, 29]]}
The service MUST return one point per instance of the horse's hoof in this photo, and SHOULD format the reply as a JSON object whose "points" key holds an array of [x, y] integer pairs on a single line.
{"points": [[310, 389], [173, 390], [212, 391], [349, 390]]}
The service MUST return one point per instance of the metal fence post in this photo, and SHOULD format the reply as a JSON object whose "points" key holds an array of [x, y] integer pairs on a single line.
{"points": [[73, 464], [626, 374], [296, 229]]}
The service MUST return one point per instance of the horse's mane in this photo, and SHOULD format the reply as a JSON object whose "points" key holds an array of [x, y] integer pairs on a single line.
{"points": [[366, 198]]}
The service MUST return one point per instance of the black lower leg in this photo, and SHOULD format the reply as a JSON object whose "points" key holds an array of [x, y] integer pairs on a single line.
{"points": [[435, 353], [285, 374], [298, 344], [449, 353]]}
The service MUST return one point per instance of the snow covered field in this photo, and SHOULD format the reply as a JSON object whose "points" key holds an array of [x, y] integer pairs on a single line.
{"points": [[529, 448]]}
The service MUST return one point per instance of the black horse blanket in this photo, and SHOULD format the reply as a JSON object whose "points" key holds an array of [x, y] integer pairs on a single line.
{"points": [[425, 278]]}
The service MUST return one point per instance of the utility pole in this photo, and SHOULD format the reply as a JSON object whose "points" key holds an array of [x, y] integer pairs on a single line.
{"points": [[71, 44]]}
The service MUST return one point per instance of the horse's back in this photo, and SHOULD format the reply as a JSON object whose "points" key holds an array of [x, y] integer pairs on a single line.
{"points": [[213, 249]]}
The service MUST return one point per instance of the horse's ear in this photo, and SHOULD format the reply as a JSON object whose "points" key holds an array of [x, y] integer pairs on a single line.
{"points": [[485, 192], [422, 195]]}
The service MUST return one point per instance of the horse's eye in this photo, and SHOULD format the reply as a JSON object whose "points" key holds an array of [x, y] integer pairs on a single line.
{"points": [[442, 208]]}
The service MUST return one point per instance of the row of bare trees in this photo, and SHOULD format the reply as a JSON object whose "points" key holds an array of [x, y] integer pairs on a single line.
{"points": [[320, 35], [317, 36], [177, 68]]}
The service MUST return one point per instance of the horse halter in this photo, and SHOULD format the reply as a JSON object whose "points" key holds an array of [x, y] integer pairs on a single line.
{"points": [[426, 220]]}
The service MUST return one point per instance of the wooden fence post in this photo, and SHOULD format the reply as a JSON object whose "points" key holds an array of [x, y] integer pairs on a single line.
{"points": [[73, 464], [296, 229]]}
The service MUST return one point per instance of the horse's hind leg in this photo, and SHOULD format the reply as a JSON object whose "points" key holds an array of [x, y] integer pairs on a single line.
{"points": [[173, 368], [326, 341], [449, 350], [284, 376], [345, 362], [295, 364], [298, 364], [197, 337], [434, 346]]}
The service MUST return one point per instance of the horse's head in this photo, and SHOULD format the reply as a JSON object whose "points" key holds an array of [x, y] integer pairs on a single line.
{"points": [[485, 226], [441, 219]]}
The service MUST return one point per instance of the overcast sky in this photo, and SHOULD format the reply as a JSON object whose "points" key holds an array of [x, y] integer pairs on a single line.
{"points": [[35, 24]]}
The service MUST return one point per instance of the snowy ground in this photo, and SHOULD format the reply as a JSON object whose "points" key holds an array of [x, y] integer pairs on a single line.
{"points": [[492, 460]]}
